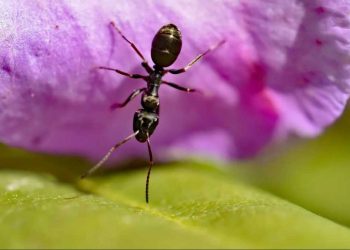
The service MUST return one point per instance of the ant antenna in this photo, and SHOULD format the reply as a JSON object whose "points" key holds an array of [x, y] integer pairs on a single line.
{"points": [[149, 168], [105, 158]]}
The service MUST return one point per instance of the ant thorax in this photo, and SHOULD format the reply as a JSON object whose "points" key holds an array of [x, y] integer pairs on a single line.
{"points": [[155, 78], [150, 98], [150, 102]]}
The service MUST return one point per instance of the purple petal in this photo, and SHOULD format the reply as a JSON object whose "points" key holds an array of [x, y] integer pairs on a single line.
{"points": [[284, 69]]}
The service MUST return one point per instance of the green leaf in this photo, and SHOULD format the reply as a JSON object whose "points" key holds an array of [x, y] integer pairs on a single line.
{"points": [[192, 205], [312, 173]]}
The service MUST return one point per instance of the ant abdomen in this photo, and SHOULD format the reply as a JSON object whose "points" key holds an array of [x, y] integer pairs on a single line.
{"points": [[166, 45]]}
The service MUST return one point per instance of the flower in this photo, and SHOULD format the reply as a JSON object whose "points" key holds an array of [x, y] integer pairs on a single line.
{"points": [[283, 70]]}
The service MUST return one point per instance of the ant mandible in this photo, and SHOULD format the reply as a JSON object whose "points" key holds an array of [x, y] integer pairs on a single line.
{"points": [[166, 47]]}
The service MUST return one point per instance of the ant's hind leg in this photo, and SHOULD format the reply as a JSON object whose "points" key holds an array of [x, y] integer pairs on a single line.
{"points": [[184, 69], [144, 62], [135, 93]]}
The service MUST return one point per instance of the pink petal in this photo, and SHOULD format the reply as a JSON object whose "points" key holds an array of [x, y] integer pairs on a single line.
{"points": [[284, 69]]}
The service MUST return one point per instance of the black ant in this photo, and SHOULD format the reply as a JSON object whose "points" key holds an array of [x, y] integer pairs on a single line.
{"points": [[166, 47]]}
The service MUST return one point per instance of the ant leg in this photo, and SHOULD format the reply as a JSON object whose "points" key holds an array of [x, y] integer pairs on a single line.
{"points": [[178, 71], [135, 76], [135, 93], [144, 62], [105, 158], [149, 168], [175, 86]]}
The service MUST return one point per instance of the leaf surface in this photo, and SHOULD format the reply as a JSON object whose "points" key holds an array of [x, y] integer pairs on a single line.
{"points": [[192, 206]]}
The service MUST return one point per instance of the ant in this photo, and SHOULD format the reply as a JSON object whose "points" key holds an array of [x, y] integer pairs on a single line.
{"points": [[166, 47]]}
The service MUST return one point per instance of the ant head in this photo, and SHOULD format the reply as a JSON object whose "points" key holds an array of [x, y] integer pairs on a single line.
{"points": [[145, 122], [166, 45]]}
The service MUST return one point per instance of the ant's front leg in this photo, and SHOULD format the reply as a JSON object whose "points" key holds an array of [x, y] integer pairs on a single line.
{"points": [[135, 76], [176, 86], [135, 93], [144, 61], [179, 71]]}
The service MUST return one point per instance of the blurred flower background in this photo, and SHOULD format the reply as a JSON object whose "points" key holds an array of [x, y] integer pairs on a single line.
{"points": [[281, 77], [284, 70]]}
